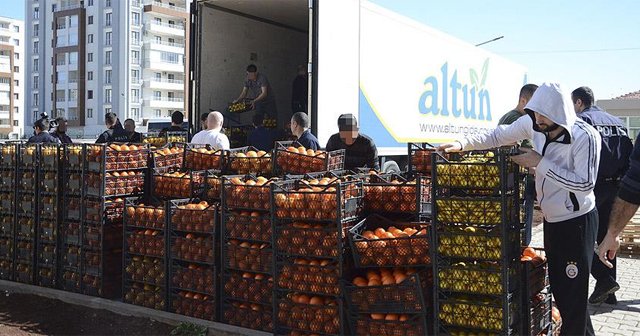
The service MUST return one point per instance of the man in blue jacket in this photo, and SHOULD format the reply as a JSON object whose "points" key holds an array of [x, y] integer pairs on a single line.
{"points": [[300, 128], [614, 162]]}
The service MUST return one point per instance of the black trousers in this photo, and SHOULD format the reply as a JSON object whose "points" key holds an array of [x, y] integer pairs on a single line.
{"points": [[569, 247], [605, 195]]}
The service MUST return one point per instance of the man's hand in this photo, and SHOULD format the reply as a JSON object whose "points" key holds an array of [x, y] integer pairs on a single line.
{"points": [[608, 249], [450, 147], [528, 159], [253, 104]]}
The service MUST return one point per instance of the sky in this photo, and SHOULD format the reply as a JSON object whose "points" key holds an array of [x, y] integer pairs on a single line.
{"points": [[575, 43], [12, 8]]}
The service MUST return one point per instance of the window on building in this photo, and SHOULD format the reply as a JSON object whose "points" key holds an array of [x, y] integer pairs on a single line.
{"points": [[72, 113], [36, 79], [107, 3], [107, 57], [35, 65], [90, 75], [16, 56], [90, 19], [90, 38], [36, 29], [90, 3], [16, 96], [90, 57], [16, 69], [89, 113], [16, 29], [107, 38], [36, 45], [171, 76], [157, 95], [73, 21], [158, 76], [73, 76], [107, 96], [107, 19], [16, 82], [61, 59], [73, 58], [158, 20], [61, 23], [60, 96], [61, 77], [169, 57], [135, 95], [171, 22], [107, 110], [16, 110], [73, 94], [158, 39], [16, 42], [5, 80], [135, 18], [170, 95], [90, 94], [135, 37], [15, 123], [36, 12], [135, 75], [73, 39], [135, 113], [158, 113], [135, 57], [107, 76]]}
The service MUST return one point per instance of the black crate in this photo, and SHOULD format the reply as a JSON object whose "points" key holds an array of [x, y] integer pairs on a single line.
{"points": [[536, 314], [389, 324], [70, 280], [193, 304], [49, 156], [192, 277], [405, 292], [317, 240], [324, 316], [27, 156], [72, 209], [420, 157], [169, 156], [141, 216], [339, 201], [245, 256], [204, 157], [47, 276], [409, 248], [247, 287], [310, 275], [7, 258], [70, 256], [480, 212], [73, 157], [193, 248], [249, 160], [499, 315], [470, 243], [248, 315], [25, 272], [145, 281], [535, 276], [486, 172], [249, 226], [7, 214], [286, 161], [8, 179], [191, 216], [98, 210], [101, 158], [478, 278], [213, 186], [246, 192], [8, 155], [397, 195], [109, 287], [177, 184], [146, 295], [116, 183]]}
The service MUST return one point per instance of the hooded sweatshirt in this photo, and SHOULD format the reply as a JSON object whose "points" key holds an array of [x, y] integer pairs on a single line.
{"points": [[567, 173]]}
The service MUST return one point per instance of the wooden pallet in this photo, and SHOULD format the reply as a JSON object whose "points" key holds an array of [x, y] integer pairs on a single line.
{"points": [[630, 238]]}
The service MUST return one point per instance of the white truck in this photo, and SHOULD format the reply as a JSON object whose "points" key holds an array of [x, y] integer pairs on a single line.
{"points": [[405, 81]]}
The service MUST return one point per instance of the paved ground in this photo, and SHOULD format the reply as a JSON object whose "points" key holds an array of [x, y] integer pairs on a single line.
{"points": [[624, 318]]}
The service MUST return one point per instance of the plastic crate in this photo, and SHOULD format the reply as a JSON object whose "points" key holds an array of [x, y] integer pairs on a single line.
{"points": [[25, 272], [319, 240], [203, 157], [404, 293], [245, 256], [27, 181], [194, 248], [102, 237], [247, 287], [27, 156], [192, 217], [389, 324], [312, 276], [339, 201], [70, 232], [7, 179], [26, 229], [47, 276], [420, 157], [249, 160], [107, 287], [146, 295], [71, 256], [172, 185], [248, 315], [72, 209], [478, 278], [397, 194], [101, 158], [213, 186], [246, 192], [99, 210], [7, 258], [535, 277], [536, 315], [192, 277], [169, 156], [324, 316], [144, 216], [6, 268], [487, 172], [193, 304], [486, 212], [116, 183], [71, 280], [462, 242], [7, 217], [250, 226], [484, 314], [148, 243], [288, 161], [8, 155], [409, 248], [73, 157], [49, 156], [239, 107]]}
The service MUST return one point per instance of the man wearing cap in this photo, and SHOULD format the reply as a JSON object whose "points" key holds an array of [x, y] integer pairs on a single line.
{"points": [[40, 134], [60, 132], [360, 151]]}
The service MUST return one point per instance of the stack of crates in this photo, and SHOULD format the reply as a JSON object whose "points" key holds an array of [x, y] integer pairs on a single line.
{"points": [[311, 217], [8, 191], [192, 258], [27, 213], [70, 274], [290, 157], [397, 196], [48, 216], [536, 294], [247, 251], [112, 173], [144, 279], [477, 233]]}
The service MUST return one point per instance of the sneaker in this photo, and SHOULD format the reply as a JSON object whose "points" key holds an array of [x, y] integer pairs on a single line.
{"points": [[601, 292], [611, 299]]}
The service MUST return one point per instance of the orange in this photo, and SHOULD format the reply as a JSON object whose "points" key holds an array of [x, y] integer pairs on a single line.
{"points": [[529, 252], [360, 282], [377, 316], [391, 317]]}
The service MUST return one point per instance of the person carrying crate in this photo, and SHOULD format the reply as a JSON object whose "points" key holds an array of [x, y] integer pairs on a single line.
{"points": [[565, 154]]}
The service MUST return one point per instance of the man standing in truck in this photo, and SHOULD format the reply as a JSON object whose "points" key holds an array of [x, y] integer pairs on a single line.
{"points": [[258, 90]]}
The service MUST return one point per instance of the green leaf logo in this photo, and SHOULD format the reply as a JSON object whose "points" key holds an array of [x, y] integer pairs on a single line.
{"points": [[485, 70], [479, 83], [474, 77]]}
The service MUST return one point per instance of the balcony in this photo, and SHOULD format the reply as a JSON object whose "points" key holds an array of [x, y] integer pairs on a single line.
{"points": [[165, 5], [5, 100], [68, 7], [166, 84], [165, 28], [155, 64], [5, 87], [5, 115], [173, 47], [165, 102]]}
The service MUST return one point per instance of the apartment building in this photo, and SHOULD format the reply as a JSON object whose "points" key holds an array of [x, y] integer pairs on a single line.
{"points": [[86, 58], [11, 78]]}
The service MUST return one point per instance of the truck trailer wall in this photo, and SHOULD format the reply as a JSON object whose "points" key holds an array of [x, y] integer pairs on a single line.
{"points": [[229, 40]]}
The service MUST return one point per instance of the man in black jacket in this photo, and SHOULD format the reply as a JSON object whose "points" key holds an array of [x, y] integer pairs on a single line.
{"points": [[115, 132], [61, 131], [360, 151], [130, 127], [177, 118], [40, 133]]}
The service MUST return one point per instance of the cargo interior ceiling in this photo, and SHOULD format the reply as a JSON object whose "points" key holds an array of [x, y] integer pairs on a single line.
{"points": [[273, 35]]}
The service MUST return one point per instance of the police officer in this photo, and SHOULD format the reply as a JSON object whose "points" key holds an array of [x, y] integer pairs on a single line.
{"points": [[41, 135], [61, 131], [614, 162], [115, 132]]}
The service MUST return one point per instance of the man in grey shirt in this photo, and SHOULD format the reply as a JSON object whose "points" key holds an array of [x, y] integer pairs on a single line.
{"points": [[258, 90]]}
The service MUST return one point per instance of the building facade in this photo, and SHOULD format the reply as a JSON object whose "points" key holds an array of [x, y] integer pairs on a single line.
{"points": [[627, 107], [90, 57], [12, 82]]}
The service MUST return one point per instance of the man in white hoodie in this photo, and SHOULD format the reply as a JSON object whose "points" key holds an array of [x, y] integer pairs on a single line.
{"points": [[565, 154]]}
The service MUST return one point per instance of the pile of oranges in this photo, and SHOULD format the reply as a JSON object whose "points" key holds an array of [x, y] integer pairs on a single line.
{"points": [[317, 314], [179, 184], [255, 287], [204, 159], [168, 157], [393, 247], [248, 193], [300, 160], [314, 240], [194, 217], [311, 275], [536, 257], [247, 256], [251, 162]]}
